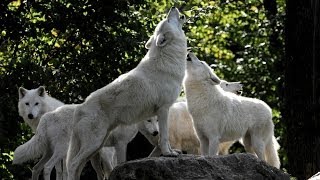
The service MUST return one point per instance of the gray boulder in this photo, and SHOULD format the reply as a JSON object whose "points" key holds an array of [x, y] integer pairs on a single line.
{"points": [[194, 167]]}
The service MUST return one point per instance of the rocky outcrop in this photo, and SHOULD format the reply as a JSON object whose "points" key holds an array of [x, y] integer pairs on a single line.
{"points": [[193, 167]]}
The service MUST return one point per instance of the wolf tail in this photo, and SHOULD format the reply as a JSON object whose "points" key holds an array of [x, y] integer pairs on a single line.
{"points": [[32, 149], [272, 156]]}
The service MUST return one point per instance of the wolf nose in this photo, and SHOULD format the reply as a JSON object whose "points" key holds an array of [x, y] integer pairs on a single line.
{"points": [[188, 58], [173, 7], [30, 116], [155, 133]]}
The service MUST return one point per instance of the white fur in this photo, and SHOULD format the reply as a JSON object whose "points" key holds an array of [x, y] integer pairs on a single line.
{"points": [[50, 142], [181, 130], [315, 177], [147, 90], [221, 116], [234, 87], [120, 137], [109, 160], [182, 134], [52, 139], [34, 103]]}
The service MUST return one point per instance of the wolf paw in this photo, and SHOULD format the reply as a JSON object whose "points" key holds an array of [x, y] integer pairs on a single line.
{"points": [[170, 155], [177, 151]]}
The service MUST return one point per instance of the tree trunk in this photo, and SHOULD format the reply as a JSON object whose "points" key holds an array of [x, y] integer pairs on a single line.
{"points": [[271, 13], [301, 110]]}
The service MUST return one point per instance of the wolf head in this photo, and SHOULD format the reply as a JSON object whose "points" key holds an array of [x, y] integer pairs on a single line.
{"points": [[31, 102], [168, 30], [151, 126], [200, 71], [234, 87]]}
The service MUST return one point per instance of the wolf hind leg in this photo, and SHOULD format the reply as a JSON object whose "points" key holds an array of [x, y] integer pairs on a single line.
{"points": [[59, 170], [213, 145], [65, 172], [55, 160], [121, 152], [87, 138], [272, 156], [79, 161], [247, 144], [36, 170], [204, 144], [74, 147], [96, 164], [258, 146]]}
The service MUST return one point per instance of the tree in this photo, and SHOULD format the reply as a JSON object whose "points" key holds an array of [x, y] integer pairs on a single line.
{"points": [[301, 111]]}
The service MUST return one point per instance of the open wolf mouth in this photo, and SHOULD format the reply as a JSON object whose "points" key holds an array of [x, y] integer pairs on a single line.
{"points": [[239, 92]]}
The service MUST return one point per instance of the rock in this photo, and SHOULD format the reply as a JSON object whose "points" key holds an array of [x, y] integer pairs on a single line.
{"points": [[194, 167]]}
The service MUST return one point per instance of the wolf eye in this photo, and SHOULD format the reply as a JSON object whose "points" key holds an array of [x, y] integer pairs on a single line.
{"points": [[36, 104], [27, 104], [227, 84], [149, 120]]}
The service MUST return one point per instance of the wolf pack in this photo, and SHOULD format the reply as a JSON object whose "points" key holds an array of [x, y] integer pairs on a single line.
{"points": [[207, 121]]}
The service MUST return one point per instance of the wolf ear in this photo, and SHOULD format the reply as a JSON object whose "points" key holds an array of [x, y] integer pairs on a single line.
{"points": [[215, 81], [149, 43], [22, 92], [41, 91], [163, 39]]}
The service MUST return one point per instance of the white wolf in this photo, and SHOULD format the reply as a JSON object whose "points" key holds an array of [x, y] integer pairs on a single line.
{"points": [[182, 134], [221, 116], [49, 142], [52, 138], [147, 90], [34, 103], [234, 87]]}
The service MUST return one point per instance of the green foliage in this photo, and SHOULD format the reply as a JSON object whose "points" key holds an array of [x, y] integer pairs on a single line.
{"points": [[75, 47]]}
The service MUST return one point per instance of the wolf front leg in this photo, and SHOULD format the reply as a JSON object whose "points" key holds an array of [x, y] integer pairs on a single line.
{"points": [[164, 133], [213, 145]]}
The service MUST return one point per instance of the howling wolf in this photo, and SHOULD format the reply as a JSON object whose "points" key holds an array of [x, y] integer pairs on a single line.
{"points": [[221, 116], [147, 90]]}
